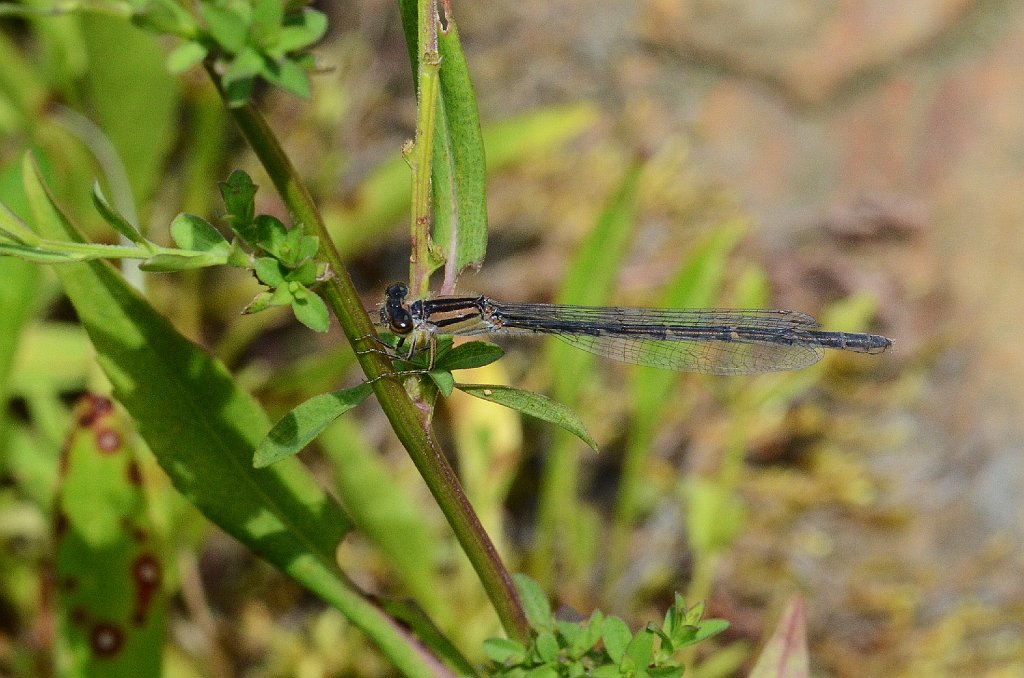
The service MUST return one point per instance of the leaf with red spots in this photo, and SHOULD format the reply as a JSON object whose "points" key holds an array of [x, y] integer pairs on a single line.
{"points": [[108, 575]]}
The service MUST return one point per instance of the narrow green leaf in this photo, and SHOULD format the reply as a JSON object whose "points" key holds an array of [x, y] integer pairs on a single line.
{"points": [[469, 355], [300, 426], [190, 232], [616, 636], [697, 284], [116, 220], [535, 602], [311, 311], [267, 16], [591, 279], [534, 405], [13, 227], [185, 56], [110, 569], [710, 627], [459, 168]]}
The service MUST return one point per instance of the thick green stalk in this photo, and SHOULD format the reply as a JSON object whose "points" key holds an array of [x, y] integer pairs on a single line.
{"points": [[340, 294]]}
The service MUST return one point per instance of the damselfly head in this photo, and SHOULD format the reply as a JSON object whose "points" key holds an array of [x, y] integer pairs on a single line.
{"points": [[394, 313]]}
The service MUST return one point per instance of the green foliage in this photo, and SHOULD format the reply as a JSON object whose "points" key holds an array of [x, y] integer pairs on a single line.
{"points": [[242, 40], [598, 646]]}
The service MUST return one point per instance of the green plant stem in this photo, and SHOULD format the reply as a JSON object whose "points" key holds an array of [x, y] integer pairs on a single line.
{"points": [[419, 442], [422, 153]]}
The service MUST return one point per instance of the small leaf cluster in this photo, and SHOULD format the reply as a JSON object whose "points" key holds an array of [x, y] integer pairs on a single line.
{"points": [[284, 259], [601, 646], [245, 39]]}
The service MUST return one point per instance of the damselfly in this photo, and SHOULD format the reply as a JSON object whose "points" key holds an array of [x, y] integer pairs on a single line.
{"points": [[711, 341]]}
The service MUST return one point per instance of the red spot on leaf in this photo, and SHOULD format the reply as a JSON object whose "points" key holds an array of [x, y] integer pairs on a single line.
{"points": [[106, 639], [92, 407], [147, 574], [78, 615], [108, 440], [134, 473], [60, 525]]}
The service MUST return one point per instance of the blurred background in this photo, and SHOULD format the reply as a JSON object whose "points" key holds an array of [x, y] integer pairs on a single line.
{"points": [[858, 161]]}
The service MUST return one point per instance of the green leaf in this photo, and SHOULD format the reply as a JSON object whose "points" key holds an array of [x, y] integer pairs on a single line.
{"points": [[247, 64], [272, 235], [229, 28], [301, 29], [110, 568], [267, 16], [616, 636], [502, 650], [185, 56], [304, 274], [165, 17], [459, 168], [260, 302], [197, 234], [444, 380], [238, 92], [534, 405], [469, 355], [641, 649], [547, 646], [288, 75], [162, 263], [11, 226], [535, 602], [115, 218], [269, 272], [238, 193], [708, 628], [310, 310], [300, 426]]}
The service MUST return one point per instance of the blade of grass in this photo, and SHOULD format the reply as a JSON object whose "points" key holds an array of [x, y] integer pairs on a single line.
{"points": [[590, 280], [697, 284]]}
